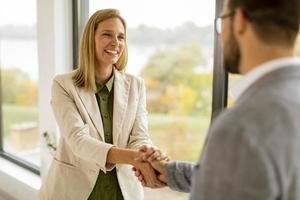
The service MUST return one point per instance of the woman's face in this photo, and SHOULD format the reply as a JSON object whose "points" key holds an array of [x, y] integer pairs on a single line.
{"points": [[109, 41]]}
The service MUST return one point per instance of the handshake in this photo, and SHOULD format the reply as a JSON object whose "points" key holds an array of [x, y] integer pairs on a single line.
{"points": [[149, 167]]}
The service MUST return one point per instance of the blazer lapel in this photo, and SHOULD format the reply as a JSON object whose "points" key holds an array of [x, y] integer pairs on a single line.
{"points": [[90, 103], [121, 91]]}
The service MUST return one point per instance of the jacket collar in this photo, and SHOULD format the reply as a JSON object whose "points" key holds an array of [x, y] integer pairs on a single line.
{"points": [[121, 92]]}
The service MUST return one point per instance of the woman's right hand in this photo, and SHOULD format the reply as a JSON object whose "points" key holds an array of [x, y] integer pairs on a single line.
{"points": [[150, 178], [147, 175], [136, 157]]}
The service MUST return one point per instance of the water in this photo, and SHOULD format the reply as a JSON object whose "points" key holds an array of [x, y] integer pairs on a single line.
{"points": [[23, 54]]}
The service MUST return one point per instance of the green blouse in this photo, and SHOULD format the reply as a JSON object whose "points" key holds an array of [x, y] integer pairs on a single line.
{"points": [[107, 185]]}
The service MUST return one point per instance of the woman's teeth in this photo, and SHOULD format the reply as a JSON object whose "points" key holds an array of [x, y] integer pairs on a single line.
{"points": [[111, 52]]}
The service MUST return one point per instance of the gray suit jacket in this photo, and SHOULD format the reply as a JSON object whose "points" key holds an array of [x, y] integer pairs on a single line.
{"points": [[253, 149]]}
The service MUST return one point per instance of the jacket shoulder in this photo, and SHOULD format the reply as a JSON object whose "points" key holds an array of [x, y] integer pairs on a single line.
{"points": [[134, 78], [65, 79]]}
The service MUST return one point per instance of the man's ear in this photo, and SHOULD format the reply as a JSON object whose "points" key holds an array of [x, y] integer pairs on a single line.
{"points": [[240, 23]]}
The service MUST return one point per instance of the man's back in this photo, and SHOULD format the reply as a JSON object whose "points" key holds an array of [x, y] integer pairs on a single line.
{"points": [[253, 149]]}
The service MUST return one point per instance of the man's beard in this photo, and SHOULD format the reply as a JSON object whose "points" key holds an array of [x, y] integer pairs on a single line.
{"points": [[232, 55]]}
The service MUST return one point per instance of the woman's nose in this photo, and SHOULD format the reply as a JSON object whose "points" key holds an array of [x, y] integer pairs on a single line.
{"points": [[115, 41]]}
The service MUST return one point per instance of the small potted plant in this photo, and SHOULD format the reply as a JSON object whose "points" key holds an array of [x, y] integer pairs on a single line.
{"points": [[50, 142]]}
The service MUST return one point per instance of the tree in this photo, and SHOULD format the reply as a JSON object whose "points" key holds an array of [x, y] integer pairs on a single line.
{"points": [[173, 64], [173, 85], [17, 87]]}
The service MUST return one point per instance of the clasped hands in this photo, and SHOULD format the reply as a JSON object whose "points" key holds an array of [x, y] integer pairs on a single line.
{"points": [[149, 166]]}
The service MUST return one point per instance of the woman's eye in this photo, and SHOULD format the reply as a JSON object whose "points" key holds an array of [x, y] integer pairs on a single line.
{"points": [[106, 34], [121, 37]]}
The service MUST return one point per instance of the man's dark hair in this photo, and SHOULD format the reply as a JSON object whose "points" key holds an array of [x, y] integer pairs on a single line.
{"points": [[274, 21]]}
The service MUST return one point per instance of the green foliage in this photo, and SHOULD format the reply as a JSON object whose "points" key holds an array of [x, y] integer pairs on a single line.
{"points": [[181, 137], [14, 114], [50, 141], [17, 88], [173, 85], [173, 64]]}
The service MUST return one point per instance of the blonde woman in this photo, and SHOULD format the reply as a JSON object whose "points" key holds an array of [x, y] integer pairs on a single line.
{"points": [[101, 113]]}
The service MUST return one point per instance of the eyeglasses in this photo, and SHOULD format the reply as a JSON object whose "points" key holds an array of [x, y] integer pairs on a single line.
{"points": [[219, 21]]}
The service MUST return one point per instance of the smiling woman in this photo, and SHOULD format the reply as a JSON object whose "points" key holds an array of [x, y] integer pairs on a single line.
{"points": [[106, 42], [109, 43], [101, 113]]}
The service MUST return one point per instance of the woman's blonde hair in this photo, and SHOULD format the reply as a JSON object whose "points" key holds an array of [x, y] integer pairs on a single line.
{"points": [[84, 76]]}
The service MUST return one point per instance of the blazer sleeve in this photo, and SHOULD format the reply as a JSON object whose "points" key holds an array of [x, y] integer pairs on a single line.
{"points": [[139, 134], [74, 130], [179, 175]]}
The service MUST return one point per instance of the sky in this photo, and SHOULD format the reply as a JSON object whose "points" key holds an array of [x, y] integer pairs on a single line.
{"points": [[24, 12], [157, 13], [160, 13], [164, 14]]}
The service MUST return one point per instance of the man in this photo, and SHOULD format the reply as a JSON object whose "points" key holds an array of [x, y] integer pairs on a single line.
{"points": [[253, 148]]}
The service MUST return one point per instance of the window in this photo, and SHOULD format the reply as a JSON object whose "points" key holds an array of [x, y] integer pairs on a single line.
{"points": [[171, 44], [297, 47], [19, 78], [234, 78]]}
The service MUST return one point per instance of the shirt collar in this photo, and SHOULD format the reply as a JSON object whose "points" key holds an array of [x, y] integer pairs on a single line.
{"points": [[109, 84], [251, 77]]}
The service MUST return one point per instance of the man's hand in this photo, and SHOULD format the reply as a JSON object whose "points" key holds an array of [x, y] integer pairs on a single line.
{"points": [[160, 167], [160, 170], [147, 176], [144, 168]]}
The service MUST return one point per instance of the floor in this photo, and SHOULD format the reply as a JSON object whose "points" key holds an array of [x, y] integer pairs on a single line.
{"points": [[164, 193]]}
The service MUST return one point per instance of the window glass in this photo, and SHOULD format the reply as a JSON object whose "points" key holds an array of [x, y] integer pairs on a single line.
{"points": [[19, 78], [234, 79], [297, 47], [170, 45]]}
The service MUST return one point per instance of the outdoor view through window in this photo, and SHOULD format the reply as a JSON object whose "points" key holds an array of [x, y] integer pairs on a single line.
{"points": [[19, 79], [234, 79], [170, 45]]}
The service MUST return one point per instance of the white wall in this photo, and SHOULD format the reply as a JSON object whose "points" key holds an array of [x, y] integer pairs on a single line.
{"points": [[54, 26]]}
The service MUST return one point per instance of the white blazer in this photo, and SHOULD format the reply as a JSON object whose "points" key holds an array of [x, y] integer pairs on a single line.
{"points": [[82, 152]]}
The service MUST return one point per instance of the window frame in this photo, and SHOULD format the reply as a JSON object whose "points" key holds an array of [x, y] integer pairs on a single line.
{"points": [[9, 156], [13, 158], [80, 14], [1, 123], [220, 76]]}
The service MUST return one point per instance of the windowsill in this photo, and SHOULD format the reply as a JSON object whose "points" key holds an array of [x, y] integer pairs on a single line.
{"points": [[18, 182]]}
